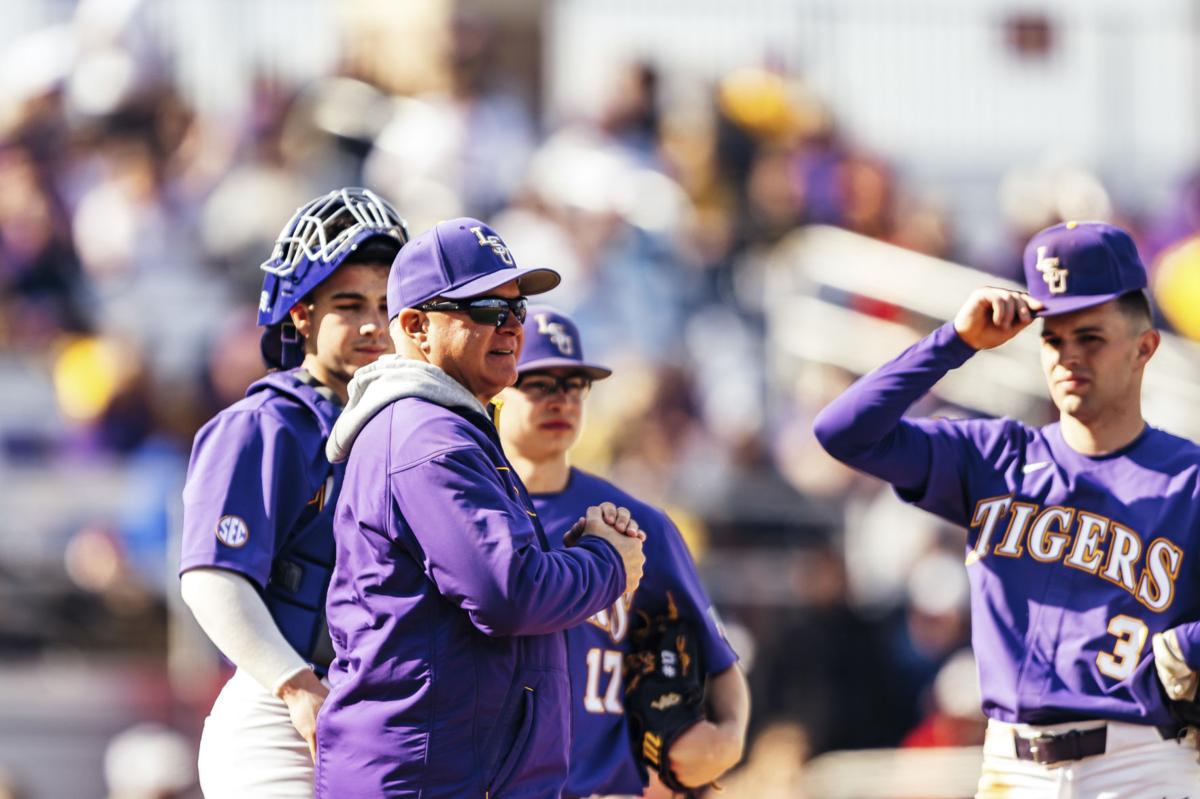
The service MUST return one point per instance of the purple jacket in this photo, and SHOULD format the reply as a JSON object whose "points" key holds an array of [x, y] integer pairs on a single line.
{"points": [[447, 604]]}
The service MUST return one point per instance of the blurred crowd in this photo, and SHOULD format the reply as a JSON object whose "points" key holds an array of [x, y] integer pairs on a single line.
{"points": [[132, 225]]}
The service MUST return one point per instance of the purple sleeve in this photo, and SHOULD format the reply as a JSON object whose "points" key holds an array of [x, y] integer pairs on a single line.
{"points": [[694, 604], [865, 428], [930, 461], [245, 482], [479, 546]]}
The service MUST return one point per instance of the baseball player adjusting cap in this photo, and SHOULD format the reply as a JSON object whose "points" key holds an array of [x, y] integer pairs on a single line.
{"points": [[1077, 265], [552, 341], [457, 259]]}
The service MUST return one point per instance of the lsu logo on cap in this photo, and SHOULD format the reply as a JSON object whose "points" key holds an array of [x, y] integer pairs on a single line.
{"points": [[557, 333], [1054, 275], [495, 243], [232, 531]]}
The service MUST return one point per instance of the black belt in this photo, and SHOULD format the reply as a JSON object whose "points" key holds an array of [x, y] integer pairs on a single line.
{"points": [[1073, 744]]}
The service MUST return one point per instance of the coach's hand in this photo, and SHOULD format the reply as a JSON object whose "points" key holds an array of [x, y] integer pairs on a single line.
{"points": [[992, 316], [304, 694], [621, 520], [705, 752], [622, 532]]}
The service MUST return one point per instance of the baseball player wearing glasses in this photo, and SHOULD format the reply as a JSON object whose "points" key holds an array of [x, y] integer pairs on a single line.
{"points": [[258, 504], [540, 420], [1082, 535]]}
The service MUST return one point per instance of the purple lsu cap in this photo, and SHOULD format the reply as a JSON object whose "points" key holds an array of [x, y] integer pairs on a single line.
{"points": [[457, 259], [1076, 265], [552, 341]]}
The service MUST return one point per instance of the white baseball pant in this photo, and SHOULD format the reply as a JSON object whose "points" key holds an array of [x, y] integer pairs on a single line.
{"points": [[1137, 764], [249, 747]]}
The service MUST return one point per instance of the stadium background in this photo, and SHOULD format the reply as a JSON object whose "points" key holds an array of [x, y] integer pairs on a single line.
{"points": [[751, 203]]}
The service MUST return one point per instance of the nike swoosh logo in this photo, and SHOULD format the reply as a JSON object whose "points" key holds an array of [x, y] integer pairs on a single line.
{"points": [[1030, 468]]}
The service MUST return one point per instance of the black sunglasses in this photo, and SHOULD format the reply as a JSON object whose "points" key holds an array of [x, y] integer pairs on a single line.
{"points": [[491, 311], [542, 386]]}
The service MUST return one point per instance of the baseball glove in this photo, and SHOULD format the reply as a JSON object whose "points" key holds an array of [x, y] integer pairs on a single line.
{"points": [[664, 689]]}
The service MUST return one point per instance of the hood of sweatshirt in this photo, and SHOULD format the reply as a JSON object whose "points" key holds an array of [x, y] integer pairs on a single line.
{"points": [[381, 383]]}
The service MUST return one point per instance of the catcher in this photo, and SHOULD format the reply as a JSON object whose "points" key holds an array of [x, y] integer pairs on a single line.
{"points": [[638, 670]]}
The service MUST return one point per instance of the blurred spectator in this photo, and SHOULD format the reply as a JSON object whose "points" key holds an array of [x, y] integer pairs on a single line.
{"points": [[9, 788], [461, 151], [103, 389], [954, 717], [632, 115], [936, 624], [41, 286], [149, 761], [1039, 196]]}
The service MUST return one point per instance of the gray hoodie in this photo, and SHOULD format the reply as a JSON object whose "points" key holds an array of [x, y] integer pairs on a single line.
{"points": [[388, 379]]}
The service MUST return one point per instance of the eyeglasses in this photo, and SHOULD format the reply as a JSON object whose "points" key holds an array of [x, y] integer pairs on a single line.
{"points": [[491, 311], [546, 386]]}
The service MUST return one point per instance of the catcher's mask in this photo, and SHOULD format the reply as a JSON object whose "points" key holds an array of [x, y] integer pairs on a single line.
{"points": [[323, 234]]}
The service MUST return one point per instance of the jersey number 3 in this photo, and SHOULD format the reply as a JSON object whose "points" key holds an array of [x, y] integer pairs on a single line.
{"points": [[1131, 636], [603, 661]]}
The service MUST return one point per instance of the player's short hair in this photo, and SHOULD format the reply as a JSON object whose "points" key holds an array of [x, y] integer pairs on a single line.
{"points": [[379, 251], [1136, 307]]}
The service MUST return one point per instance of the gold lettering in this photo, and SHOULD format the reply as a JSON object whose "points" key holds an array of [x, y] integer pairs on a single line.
{"points": [[1047, 545], [1091, 531], [987, 516], [1124, 550], [1156, 589], [1017, 525]]}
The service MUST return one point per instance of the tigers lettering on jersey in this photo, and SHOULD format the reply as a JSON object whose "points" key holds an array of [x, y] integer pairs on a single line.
{"points": [[1081, 540]]}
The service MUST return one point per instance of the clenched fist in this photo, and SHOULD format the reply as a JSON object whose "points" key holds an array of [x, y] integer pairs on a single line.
{"points": [[615, 526], [992, 316]]}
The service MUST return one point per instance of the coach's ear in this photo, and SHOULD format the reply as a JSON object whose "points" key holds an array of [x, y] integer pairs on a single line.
{"points": [[410, 333]]}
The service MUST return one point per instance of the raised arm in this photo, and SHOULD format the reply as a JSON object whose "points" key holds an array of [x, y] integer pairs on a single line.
{"points": [[865, 428]]}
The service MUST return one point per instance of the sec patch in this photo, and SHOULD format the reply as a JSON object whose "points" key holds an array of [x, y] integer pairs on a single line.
{"points": [[232, 531]]}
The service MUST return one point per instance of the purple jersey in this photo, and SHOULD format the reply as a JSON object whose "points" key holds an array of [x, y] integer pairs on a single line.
{"points": [[602, 760], [1074, 561], [259, 501], [257, 469]]}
